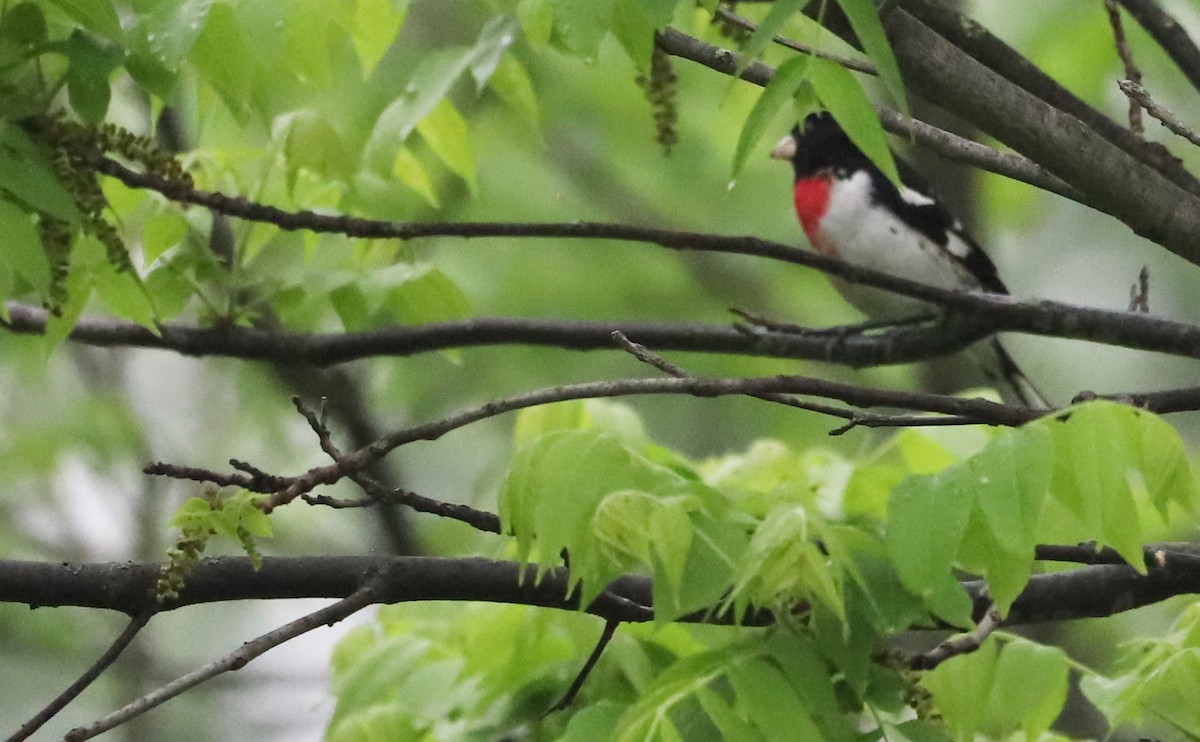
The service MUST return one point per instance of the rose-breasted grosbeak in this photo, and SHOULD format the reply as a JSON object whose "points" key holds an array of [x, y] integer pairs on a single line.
{"points": [[850, 210]]}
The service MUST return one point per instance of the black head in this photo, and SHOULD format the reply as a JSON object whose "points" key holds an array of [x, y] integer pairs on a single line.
{"points": [[820, 145]]}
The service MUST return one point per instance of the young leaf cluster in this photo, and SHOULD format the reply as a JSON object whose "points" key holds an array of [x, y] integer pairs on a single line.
{"points": [[236, 517]]}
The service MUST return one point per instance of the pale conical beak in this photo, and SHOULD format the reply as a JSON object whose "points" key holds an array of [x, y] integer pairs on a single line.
{"points": [[785, 149]]}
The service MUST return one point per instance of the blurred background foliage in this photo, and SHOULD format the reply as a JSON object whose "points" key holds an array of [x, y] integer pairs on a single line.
{"points": [[445, 111]]}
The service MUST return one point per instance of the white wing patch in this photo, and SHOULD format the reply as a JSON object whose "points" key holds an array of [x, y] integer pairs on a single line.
{"points": [[956, 245], [915, 198]]}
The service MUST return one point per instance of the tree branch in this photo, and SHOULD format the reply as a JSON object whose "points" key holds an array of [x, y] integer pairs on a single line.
{"points": [[136, 623], [1089, 592], [286, 489], [988, 314], [1117, 182], [235, 660], [983, 47], [1171, 36], [948, 145]]}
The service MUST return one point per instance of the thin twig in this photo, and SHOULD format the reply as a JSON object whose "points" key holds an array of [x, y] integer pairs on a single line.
{"points": [[123, 640], [1131, 69], [378, 493], [982, 410], [1139, 293], [962, 644], [236, 660], [849, 63], [853, 418], [610, 628], [1169, 34], [1141, 96]]}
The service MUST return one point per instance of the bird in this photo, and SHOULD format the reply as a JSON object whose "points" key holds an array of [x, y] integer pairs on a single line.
{"points": [[850, 210]]}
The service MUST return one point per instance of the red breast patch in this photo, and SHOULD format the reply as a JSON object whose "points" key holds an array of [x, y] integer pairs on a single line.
{"points": [[812, 200]]}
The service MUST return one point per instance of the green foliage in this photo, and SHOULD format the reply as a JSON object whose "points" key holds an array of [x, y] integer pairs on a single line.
{"points": [[582, 490], [1156, 678], [978, 694], [1100, 472], [237, 517], [585, 482], [419, 674]]}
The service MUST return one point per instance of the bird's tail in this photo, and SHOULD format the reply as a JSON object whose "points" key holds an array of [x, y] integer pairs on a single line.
{"points": [[1004, 374]]}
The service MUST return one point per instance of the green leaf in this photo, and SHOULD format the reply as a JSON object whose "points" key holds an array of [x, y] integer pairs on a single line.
{"points": [[784, 565], [193, 514], [428, 85], [99, 16], [445, 132], [769, 27], [161, 39], [916, 731], [718, 545], [644, 720], [222, 54], [375, 674], [555, 487], [771, 702], [1162, 461], [1119, 699], [1010, 479], [634, 23], [580, 25], [412, 174], [58, 327], [22, 249], [351, 306], [537, 20], [160, 233], [594, 723], [961, 688], [809, 676], [781, 88], [124, 294], [1168, 692], [841, 94], [26, 173], [497, 36], [170, 290], [511, 82], [1103, 451], [864, 19], [424, 295], [925, 529], [534, 422], [310, 141], [91, 62], [24, 25], [1032, 678], [725, 719], [376, 23]]}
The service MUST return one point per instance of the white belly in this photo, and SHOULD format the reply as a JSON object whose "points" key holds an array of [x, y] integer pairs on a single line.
{"points": [[869, 235]]}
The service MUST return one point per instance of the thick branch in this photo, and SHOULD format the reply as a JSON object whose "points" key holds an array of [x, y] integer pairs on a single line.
{"points": [[1089, 592], [989, 313], [1117, 182], [902, 345], [984, 47], [1170, 36]]}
